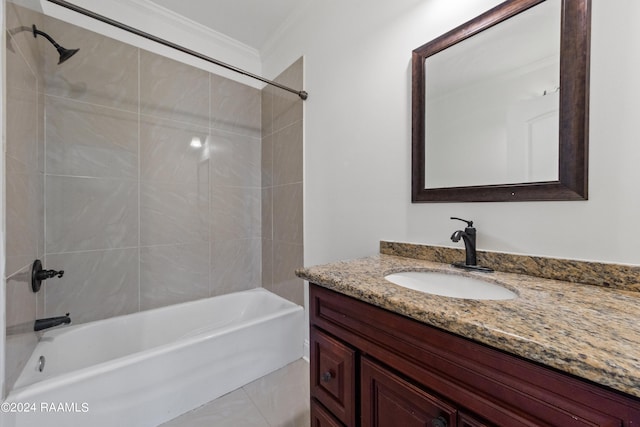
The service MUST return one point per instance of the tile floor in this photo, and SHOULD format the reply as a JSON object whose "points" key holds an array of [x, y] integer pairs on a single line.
{"points": [[280, 399]]}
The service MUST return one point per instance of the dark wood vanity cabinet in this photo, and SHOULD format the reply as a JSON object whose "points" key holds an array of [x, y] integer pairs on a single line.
{"points": [[371, 367]]}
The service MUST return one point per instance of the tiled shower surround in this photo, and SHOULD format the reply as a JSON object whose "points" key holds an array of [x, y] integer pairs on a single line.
{"points": [[282, 242], [139, 176]]}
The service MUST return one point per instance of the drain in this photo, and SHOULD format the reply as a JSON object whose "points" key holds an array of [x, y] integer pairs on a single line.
{"points": [[41, 362]]}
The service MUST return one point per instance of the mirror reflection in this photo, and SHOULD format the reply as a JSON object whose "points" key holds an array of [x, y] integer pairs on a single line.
{"points": [[492, 104], [501, 106]]}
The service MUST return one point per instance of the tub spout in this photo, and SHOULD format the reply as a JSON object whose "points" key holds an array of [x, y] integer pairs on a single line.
{"points": [[50, 322]]}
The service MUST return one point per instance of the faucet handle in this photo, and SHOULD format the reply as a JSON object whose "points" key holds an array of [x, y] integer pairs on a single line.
{"points": [[469, 223]]}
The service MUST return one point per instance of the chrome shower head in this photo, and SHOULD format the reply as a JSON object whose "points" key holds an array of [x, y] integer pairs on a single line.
{"points": [[64, 53]]}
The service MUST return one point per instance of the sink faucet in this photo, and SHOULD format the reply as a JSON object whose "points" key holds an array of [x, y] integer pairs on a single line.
{"points": [[469, 238]]}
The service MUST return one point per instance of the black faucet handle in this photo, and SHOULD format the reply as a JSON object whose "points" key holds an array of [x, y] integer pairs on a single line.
{"points": [[469, 223], [48, 274], [38, 274]]}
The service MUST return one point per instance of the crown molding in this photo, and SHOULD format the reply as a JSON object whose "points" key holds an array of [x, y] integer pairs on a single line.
{"points": [[161, 22], [173, 18], [294, 17]]}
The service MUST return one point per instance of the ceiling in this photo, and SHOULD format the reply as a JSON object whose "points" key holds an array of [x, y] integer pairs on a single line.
{"points": [[251, 22]]}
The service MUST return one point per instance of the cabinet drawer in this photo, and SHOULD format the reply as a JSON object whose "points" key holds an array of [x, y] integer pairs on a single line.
{"points": [[333, 376], [320, 417], [390, 401], [465, 420]]}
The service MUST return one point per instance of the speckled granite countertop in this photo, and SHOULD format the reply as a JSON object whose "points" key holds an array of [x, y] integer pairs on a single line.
{"points": [[589, 331]]}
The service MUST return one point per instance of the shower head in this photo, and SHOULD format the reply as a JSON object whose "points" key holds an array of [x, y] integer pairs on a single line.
{"points": [[64, 53]]}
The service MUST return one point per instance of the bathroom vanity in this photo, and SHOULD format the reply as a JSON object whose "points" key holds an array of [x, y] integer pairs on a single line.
{"points": [[559, 354]]}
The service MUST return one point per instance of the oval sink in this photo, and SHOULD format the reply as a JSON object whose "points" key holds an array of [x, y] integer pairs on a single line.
{"points": [[450, 285]]}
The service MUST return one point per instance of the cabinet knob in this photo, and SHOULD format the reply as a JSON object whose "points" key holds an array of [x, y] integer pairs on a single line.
{"points": [[326, 376], [439, 422]]}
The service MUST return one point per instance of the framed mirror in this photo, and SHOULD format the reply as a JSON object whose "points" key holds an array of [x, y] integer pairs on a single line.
{"points": [[501, 106]]}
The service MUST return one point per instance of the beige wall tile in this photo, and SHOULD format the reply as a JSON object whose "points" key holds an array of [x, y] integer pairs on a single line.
{"points": [[287, 155], [24, 220], [90, 213], [96, 285], [21, 310], [22, 129], [90, 140], [235, 265], [235, 160], [235, 107], [173, 90], [24, 217], [267, 213], [168, 156], [103, 72], [267, 110], [287, 258], [287, 106], [267, 264], [267, 161], [287, 213], [173, 214], [282, 176], [20, 37], [173, 274], [235, 213]]}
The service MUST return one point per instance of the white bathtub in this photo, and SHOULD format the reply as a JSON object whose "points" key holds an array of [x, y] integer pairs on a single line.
{"points": [[146, 368]]}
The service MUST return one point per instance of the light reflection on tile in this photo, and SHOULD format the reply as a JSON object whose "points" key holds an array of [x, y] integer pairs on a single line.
{"points": [[168, 153]]}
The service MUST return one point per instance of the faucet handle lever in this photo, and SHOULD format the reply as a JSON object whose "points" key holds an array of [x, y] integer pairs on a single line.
{"points": [[469, 223]]}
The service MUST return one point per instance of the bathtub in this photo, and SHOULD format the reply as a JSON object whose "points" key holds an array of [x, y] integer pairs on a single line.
{"points": [[146, 368]]}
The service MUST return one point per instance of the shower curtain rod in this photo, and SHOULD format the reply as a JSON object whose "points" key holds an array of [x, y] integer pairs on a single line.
{"points": [[301, 93]]}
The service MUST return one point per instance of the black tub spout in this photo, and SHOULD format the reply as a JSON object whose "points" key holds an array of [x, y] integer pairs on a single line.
{"points": [[50, 322]]}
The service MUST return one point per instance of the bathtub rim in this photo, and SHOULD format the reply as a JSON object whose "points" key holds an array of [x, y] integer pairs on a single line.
{"points": [[48, 384]]}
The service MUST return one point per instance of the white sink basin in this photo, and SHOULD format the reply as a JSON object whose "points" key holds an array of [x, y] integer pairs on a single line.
{"points": [[450, 285]]}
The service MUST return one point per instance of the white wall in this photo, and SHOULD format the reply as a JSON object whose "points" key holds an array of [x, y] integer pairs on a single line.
{"points": [[358, 136]]}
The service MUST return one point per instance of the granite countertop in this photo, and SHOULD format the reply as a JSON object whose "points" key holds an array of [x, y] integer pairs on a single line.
{"points": [[589, 331]]}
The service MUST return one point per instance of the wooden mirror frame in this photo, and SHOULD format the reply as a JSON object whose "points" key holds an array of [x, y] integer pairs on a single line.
{"points": [[574, 111]]}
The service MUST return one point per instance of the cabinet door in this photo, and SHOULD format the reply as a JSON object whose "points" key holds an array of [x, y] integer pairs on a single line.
{"points": [[333, 376], [320, 417], [390, 401]]}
